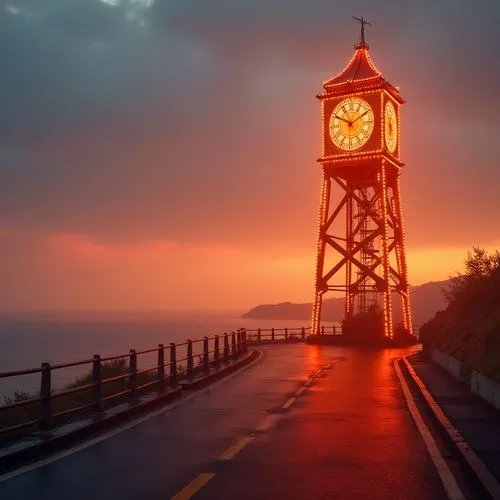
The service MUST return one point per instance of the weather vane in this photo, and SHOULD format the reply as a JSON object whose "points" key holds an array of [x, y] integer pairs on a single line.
{"points": [[363, 23]]}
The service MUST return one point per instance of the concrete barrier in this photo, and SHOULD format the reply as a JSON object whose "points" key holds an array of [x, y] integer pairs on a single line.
{"points": [[485, 388], [479, 384], [450, 364]]}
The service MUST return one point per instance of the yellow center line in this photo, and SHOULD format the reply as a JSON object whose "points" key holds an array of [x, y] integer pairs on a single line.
{"points": [[300, 391], [268, 422], [230, 453], [194, 486], [289, 403]]}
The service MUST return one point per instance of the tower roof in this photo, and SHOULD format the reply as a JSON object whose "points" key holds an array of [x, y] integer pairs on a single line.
{"points": [[360, 74], [359, 69]]}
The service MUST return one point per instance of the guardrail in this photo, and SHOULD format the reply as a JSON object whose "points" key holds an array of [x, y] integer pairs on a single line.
{"points": [[113, 380], [261, 335], [126, 381]]}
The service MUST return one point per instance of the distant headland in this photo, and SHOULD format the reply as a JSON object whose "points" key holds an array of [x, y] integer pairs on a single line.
{"points": [[427, 299]]}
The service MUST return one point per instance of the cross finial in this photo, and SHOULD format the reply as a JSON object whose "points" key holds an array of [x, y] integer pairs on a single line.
{"points": [[363, 22]]}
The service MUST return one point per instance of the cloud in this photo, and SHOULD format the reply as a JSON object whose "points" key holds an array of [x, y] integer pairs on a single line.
{"points": [[196, 121], [42, 270]]}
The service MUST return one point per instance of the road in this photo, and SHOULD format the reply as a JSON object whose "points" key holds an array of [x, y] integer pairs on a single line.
{"points": [[345, 434]]}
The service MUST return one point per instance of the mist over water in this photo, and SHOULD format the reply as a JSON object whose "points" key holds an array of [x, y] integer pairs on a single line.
{"points": [[28, 340]]}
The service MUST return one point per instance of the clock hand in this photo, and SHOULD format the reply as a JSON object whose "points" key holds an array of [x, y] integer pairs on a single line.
{"points": [[360, 116], [344, 120]]}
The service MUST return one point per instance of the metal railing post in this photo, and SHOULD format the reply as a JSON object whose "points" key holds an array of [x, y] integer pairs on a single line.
{"points": [[46, 396], [205, 354], [97, 381], [226, 348], [238, 342], [322, 329], [189, 358], [303, 333], [244, 340], [173, 364], [272, 333], [334, 330], [233, 344], [286, 333], [161, 367], [132, 365], [259, 336], [216, 350]]}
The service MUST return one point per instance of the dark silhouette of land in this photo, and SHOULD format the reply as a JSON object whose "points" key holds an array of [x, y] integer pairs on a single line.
{"points": [[427, 300]]}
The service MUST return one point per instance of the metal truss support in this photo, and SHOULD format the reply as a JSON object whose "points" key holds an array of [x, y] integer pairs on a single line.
{"points": [[362, 237]]}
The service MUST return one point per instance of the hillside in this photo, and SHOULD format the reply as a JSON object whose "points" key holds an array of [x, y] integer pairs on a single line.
{"points": [[427, 299], [469, 328]]}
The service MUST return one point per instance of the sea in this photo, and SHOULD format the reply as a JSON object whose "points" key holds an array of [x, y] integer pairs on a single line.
{"points": [[27, 340]]}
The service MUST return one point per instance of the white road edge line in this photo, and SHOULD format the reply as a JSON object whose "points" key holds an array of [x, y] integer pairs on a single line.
{"points": [[126, 427], [450, 485]]}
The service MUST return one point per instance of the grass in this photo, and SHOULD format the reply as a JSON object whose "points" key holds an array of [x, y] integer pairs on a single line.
{"points": [[469, 328], [14, 416], [30, 412]]}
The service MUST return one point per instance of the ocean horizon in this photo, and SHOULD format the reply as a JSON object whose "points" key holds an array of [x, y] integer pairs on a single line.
{"points": [[30, 338]]}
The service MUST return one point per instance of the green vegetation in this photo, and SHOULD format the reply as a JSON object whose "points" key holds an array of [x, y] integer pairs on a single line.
{"points": [[30, 412], [79, 398], [22, 414], [469, 328]]}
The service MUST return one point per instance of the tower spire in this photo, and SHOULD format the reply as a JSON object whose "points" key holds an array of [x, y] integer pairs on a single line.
{"points": [[363, 22]]}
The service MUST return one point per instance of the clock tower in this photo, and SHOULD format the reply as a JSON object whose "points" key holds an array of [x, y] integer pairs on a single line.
{"points": [[361, 247]]}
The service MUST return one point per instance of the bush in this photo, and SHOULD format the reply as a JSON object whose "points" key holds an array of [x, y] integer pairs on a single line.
{"points": [[469, 328], [24, 414]]}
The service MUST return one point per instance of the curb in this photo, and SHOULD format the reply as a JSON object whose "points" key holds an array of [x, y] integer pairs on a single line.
{"points": [[468, 457], [54, 444]]}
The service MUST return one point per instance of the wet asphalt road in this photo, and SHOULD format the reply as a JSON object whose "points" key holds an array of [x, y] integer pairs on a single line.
{"points": [[348, 435]]}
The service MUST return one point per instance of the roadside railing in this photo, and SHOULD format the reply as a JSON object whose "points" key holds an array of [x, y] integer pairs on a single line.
{"points": [[113, 380], [262, 335], [116, 379]]}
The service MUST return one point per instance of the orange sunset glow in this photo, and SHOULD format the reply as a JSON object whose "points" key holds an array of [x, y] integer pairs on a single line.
{"points": [[177, 169]]}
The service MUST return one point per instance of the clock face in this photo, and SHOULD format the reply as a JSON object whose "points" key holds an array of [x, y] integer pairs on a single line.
{"points": [[391, 127], [351, 123]]}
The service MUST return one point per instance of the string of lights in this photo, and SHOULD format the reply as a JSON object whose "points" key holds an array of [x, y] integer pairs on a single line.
{"points": [[360, 151]]}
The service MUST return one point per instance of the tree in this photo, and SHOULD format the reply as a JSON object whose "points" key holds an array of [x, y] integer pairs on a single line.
{"points": [[482, 276], [469, 328]]}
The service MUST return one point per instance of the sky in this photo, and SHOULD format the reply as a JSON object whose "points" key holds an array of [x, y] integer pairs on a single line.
{"points": [[162, 154]]}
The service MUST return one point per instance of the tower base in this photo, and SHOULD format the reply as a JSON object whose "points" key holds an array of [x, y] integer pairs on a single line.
{"points": [[361, 341]]}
